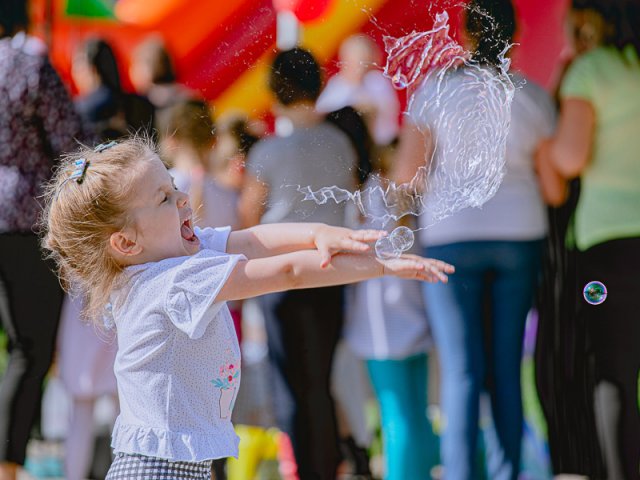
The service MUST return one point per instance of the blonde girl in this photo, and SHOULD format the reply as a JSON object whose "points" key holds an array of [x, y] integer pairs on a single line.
{"points": [[119, 230]]}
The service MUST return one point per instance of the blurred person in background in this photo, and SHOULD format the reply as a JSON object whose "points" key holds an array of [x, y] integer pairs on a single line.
{"points": [[187, 140], [386, 325], [359, 84], [236, 137], [37, 123], [153, 75], [85, 364], [598, 139], [303, 326], [497, 251], [101, 100], [361, 101], [564, 364]]}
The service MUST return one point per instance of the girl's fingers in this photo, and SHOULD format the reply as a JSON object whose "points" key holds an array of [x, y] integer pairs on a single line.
{"points": [[412, 265], [354, 245], [438, 273], [367, 235], [325, 257], [443, 266]]}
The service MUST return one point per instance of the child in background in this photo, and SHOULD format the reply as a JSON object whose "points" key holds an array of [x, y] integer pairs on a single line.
{"points": [[85, 362], [117, 227], [386, 325], [211, 179], [235, 138], [101, 101]]}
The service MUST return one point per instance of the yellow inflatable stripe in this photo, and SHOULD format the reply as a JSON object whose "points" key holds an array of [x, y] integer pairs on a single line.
{"points": [[249, 92]]}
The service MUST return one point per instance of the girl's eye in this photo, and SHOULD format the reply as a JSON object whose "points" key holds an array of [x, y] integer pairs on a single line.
{"points": [[165, 199]]}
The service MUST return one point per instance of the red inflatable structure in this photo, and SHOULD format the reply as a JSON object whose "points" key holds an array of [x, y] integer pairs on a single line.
{"points": [[222, 47]]}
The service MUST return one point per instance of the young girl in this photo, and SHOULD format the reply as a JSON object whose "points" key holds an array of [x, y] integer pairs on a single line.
{"points": [[119, 229]]}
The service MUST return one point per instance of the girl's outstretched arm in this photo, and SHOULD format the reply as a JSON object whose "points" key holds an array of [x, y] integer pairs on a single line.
{"points": [[302, 269], [278, 238]]}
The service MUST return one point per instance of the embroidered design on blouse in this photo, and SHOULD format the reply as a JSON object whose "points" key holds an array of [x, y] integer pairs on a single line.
{"points": [[227, 384], [227, 378]]}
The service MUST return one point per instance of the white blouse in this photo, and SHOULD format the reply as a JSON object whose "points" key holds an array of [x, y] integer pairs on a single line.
{"points": [[178, 360]]}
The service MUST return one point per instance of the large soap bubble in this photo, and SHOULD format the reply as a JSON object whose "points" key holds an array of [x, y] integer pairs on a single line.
{"points": [[464, 110]]}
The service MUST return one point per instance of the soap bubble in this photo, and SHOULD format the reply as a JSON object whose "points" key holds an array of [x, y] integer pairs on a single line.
{"points": [[595, 292], [402, 238], [399, 81], [385, 249], [395, 244], [463, 108]]}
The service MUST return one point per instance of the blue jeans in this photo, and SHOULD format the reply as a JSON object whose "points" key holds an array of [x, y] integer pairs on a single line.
{"points": [[501, 276], [411, 447]]}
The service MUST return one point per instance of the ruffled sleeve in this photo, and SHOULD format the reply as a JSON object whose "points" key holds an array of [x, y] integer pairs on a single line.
{"points": [[213, 238], [195, 283]]}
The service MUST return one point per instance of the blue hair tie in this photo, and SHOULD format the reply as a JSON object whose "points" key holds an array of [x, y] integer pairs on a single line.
{"points": [[80, 166], [103, 146], [80, 170]]}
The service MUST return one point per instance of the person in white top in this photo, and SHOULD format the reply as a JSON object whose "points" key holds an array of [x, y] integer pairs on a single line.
{"points": [[361, 86], [118, 229], [497, 251]]}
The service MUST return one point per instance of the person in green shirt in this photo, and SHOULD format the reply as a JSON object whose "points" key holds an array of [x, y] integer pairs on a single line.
{"points": [[598, 140]]}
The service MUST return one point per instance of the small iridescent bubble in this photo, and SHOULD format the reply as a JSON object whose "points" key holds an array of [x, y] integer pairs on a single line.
{"points": [[385, 249], [399, 80], [595, 292], [402, 238]]}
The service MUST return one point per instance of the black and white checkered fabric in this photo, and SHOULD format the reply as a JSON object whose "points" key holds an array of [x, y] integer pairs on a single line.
{"points": [[139, 467]]}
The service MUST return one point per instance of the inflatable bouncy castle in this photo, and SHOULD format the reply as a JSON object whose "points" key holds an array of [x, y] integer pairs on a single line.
{"points": [[222, 48]]}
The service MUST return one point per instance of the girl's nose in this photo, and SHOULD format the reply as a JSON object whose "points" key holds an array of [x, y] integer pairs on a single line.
{"points": [[183, 199]]}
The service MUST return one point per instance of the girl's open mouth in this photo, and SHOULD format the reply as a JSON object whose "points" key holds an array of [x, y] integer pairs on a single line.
{"points": [[187, 231]]}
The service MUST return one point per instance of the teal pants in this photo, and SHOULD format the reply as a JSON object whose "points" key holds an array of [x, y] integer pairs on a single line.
{"points": [[410, 446]]}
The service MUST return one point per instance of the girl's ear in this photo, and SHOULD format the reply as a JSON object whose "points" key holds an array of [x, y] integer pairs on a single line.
{"points": [[124, 244]]}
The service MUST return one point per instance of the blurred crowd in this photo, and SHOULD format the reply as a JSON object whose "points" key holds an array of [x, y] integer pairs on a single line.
{"points": [[567, 213]]}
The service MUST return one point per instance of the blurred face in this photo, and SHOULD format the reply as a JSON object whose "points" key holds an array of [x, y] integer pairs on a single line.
{"points": [[140, 75], [587, 29], [161, 217], [84, 75], [356, 58]]}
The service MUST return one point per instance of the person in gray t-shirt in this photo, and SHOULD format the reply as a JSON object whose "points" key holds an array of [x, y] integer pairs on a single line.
{"points": [[316, 155], [303, 326]]}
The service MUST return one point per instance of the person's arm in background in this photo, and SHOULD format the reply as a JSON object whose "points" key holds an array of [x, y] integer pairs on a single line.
{"points": [[565, 155], [553, 186], [414, 148], [571, 146], [252, 201], [62, 125]]}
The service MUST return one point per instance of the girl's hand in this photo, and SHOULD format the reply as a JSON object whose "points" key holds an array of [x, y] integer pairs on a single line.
{"points": [[331, 240], [419, 268]]}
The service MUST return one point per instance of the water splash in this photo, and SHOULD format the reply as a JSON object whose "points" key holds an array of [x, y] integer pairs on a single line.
{"points": [[464, 110]]}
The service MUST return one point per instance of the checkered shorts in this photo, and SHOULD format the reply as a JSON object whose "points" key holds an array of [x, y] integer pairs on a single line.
{"points": [[139, 467]]}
